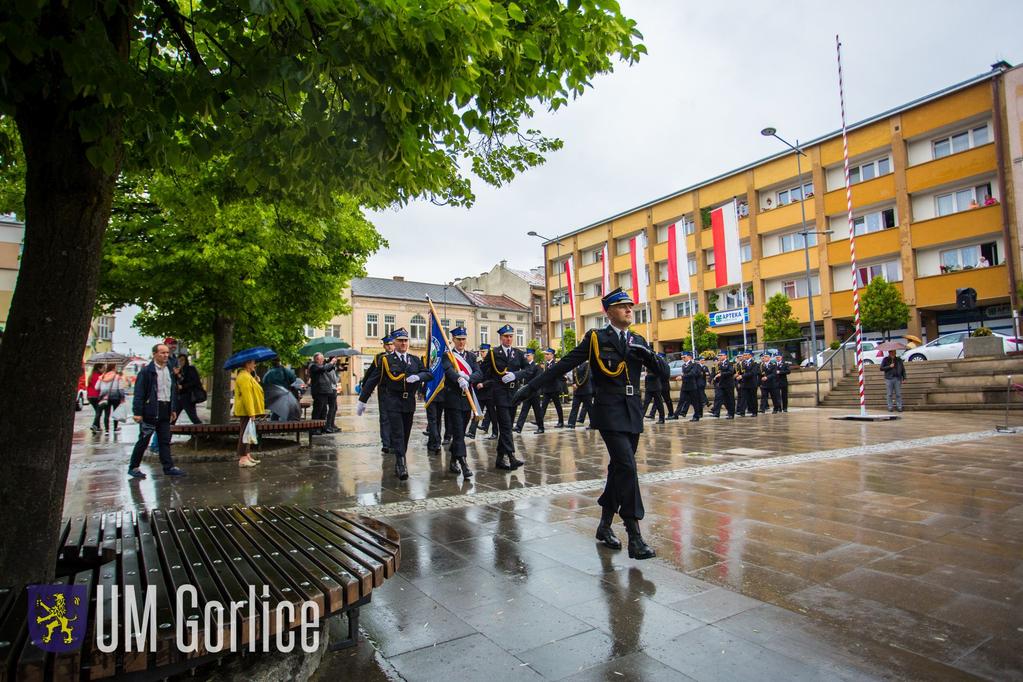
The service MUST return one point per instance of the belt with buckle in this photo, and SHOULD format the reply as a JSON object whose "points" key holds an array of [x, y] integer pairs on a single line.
{"points": [[405, 394], [627, 389]]}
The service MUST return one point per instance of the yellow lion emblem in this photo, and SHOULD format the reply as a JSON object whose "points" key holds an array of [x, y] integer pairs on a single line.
{"points": [[56, 617]]}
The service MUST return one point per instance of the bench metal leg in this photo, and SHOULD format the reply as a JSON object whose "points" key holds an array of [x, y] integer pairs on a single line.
{"points": [[352, 637]]}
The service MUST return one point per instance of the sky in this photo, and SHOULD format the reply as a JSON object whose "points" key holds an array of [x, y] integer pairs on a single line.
{"points": [[716, 74]]}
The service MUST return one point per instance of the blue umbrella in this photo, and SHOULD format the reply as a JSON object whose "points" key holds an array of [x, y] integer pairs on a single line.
{"points": [[258, 353]]}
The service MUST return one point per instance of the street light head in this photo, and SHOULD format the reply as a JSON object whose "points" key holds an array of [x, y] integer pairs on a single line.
{"points": [[531, 233], [768, 132]]}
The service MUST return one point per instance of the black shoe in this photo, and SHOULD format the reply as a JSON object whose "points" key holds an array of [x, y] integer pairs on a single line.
{"points": [[731, 416], [695, 419], [471, 436], [559, 425], [660, 421], [672, 418], [539, 431], [775, 411], [466, 472], [570, 426], [426, 433], [399, 469], [502, 463], [715, 415], [638, 549], [516, 430], [385, 450], [446, 440], [515, 463], [432, 452], [453, 466], [607, 536], [492, 436]]}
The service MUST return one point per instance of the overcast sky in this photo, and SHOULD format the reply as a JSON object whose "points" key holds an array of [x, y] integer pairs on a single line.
{"points": [[716, 74]]}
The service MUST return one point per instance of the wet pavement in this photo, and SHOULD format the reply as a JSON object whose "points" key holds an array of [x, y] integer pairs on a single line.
{"points": [[790, 546]]}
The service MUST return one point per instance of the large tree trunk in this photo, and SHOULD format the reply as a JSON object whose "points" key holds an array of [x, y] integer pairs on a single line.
{"points": [[223, 342]]}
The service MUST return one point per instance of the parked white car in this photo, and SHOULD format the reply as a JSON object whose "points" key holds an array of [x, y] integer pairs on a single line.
{"points": [[871, 355], [950, 347]]}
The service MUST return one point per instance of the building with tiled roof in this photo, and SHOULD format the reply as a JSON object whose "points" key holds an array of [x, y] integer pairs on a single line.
{"points": [[524, 286]]}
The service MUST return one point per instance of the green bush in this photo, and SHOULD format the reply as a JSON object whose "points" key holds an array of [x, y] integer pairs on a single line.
{"points": [[835, 345], [982, 331]]}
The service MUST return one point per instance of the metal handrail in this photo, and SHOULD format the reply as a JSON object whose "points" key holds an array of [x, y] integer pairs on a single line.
{"points": [[829, 362]]}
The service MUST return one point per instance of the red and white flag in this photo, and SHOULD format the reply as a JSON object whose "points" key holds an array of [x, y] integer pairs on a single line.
{"points": [[571, 287], [727, 261], [640, 277], [678, 260], [605, 271]]}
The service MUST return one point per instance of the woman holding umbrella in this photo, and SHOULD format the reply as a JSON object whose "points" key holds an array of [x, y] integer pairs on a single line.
{"points": [[248, 404]]}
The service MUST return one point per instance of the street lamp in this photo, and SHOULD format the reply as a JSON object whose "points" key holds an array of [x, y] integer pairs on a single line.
{"points": [[773, 132], [561, 298]]}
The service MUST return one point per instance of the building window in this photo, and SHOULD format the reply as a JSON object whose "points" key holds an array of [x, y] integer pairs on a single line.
{"points": [[520, 337], [662, 272], [388, 325], [538, 312], [310, 332], [104, 328], [559, 297], [794, 241], [483, 315], [501, 316], [484, 334], [732, 298], [622, 245], [689, 227], [796, 288], [969, 257], [742, 209], [890, 270], [745, 252], [962, 199], [335, 331], [592, 289], [874, 222], [708, 257], [792, 194], [371, 325], [417, 328], [692, 265], [625, 280], [444, 322], [640, 315], [460, 323], [687, 308], [870, 170], [960, 141], [592, 256], [558, 266]]}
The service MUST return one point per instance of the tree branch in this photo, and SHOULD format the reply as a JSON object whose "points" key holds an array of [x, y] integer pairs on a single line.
{"points": [[178, 26]]}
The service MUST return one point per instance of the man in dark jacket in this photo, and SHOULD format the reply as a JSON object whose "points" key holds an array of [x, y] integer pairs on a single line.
{"points": [[552, 392], [582, 396], [189, 387], [769, 384], [748, 384], [369, 382], [692, 375], [894, 370], [616, 357], [724, 387], [500, 370], [152, 407], [783, 381], [461, 371], [653, 395], [483, 392], [531, 370], [323, 386]]}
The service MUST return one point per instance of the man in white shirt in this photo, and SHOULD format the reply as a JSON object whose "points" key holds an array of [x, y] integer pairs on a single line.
{"points": [[153, 410]]}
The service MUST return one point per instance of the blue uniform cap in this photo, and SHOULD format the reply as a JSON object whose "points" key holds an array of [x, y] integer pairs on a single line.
{"points": [[399, 333], [458, 333], [551, 351], [386, 339], [615, 297], [506, 329], [484, 346], [529, 351], [661, 355]]}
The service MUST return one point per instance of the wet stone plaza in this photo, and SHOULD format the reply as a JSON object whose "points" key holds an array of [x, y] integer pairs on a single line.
{"points": [[790, 547]]}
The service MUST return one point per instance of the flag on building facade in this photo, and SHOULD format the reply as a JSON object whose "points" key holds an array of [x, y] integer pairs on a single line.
{"points": [[570, 278], [678, 260], [640, 276], [727, 259], [605, 271]]}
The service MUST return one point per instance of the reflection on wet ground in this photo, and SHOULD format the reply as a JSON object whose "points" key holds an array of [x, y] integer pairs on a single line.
{"points": [[905, 564]]}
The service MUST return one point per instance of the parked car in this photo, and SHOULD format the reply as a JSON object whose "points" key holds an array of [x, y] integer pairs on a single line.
{"points": [[950, 347], [871, 355]]}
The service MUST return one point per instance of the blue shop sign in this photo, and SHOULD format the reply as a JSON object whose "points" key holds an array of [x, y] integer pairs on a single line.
{"points": [[721, 318]]}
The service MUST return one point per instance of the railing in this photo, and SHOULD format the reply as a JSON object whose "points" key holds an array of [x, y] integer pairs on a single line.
{"points": [[829, 362]]}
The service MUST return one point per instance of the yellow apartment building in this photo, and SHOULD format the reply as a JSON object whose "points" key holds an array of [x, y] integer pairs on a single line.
{"points": [[933, 208]]}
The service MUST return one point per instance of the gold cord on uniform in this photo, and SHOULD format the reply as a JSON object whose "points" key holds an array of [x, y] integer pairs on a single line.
{"points": [[595, 350], [387, 368]]}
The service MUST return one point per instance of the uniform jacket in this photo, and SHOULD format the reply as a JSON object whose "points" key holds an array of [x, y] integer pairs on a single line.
{"points": [[495, 365], [583, 383], [248, 395], [750, 371], [769, 375], [726, 375], [453, 396], [783, 373], [653, 383], [396, 394], [617, 404], [144, 404], [701, 381], [556, 385], [372, 376], [692, 375]]}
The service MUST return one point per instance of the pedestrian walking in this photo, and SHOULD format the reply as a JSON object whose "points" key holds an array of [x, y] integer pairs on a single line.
{"points": [[190, 389], [152, 409], [527, 373], [582, 396], [110, 395], [554, 389], [369, 382], [248, 405], [894, 370], [724, 387], [783, 381], [749, 382], [92, 394], [505, 362], [769, 384], [483, 392], [653, 395], [323, 386]]}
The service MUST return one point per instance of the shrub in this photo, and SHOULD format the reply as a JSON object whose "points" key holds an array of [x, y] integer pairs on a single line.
{"points": [[982, 331]]}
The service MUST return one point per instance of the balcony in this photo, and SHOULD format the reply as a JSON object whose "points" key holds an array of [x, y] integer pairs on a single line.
{"points": [[949, 169], [590, 272], [868, 246], [588, 306], [963, 225], [801, 310], [710, 280], [842, 301], [661, 290], [785, 216], [787, 263], [939, 291], [863, 194]]}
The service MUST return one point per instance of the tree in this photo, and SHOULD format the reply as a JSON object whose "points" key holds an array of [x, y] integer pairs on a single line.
{"points": [[534, 345], [882, 308], [243, 268], [705, 339], [568, 341], [779, 325], [381, 100]]}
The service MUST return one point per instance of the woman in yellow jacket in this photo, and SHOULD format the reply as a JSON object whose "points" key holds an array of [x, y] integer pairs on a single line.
{"points": [[248, 404]]}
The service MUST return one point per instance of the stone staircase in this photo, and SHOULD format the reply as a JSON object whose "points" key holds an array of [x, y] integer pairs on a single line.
{"points": [[972, 384]]}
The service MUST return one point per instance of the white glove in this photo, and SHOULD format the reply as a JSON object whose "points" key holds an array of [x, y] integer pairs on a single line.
{"points": [[463, 375], [508, 377], [463, 384], [360, 408], [412, 378]]}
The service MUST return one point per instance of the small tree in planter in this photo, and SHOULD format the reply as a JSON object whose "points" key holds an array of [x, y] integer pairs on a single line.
{"points": [[983, 343], [882, 308]]}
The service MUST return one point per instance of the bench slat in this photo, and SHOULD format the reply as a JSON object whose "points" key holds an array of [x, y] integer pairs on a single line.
{"points": [[67, 666], [131, 574], [380, 559], [155, 575], [102, 664], [388, 551], [353, 552]]}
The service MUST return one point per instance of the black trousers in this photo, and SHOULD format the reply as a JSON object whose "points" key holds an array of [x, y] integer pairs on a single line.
{"points": [[400, 424], [666, 396], [581, 406], [458, 418], [558, 407], [692, 399], [783, 391], [433, 417], [621, 491], [655, 398], [163, 438], [325, 407], [503, 417], [385, 427], [774, 394], [748, 400], [534, 404], [188, 407], [726, 397]]}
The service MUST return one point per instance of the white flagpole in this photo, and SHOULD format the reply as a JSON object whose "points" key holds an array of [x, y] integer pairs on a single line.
{"points": [[742, 287], [692, 329]]}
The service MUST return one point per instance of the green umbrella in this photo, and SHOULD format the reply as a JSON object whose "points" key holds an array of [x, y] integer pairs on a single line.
{"points": [[322, 344]]}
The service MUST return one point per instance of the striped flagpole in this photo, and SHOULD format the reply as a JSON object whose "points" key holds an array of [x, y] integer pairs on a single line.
{"points": [[852, 239]]}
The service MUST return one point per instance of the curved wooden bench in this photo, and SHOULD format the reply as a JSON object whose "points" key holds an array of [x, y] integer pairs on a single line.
{"points": [[332, 559], [262, 426]]}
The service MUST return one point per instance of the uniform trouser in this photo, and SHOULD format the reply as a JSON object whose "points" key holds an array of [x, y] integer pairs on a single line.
{"points": [[163, 438], [581, 406], [385, 427], [534, 404], [696, 398], [473, 425], [621, 491], [459, 419], [783, 391], [726, 397], [433, 418], [558, 407], [503, 417], [775, 396], [748, 400], [655, 398], [893, 393], [666, 396], [400, 424], [448, 430]]}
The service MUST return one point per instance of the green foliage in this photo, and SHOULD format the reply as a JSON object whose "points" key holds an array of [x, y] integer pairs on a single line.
{"points": [[534, 345], [882, 308], [835, 345], [708, 355], [779, 324], [185, 252], [705, 218], [982, 331], [568, 341], [706, 340], [712, 301], [12, 170]]}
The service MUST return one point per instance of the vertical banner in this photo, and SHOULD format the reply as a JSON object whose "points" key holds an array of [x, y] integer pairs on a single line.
{"points": [[605, 271], [727, 260], [570, 278], [678, 260], [640, 277]]}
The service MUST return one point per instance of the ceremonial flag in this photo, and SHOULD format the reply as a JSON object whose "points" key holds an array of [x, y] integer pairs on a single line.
{"points": [[678, 260], [727, 262], [605, 271], [437, 346], [462, 366], [640, 277], [571, 287]]}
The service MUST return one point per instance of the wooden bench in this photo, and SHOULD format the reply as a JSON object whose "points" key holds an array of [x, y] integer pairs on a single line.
{"points": [[300, 554], [262, 426]]}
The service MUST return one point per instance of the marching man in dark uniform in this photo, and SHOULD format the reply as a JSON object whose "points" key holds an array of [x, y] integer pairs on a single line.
{"points": [[783, 381], [724, 387], [369, 382], [769, 384], [399, 372], [616, 357], [692, 373], [531, 370], [669, 406], [456, 382], [483, 391], [552, 392], [500, 369], [701, 384], [582, 396], [749, 381], [653, 395]]}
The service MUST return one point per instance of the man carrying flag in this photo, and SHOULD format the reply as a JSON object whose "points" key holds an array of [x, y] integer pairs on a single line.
{"points": [[400, 371], [369, 382], [461, 371]]}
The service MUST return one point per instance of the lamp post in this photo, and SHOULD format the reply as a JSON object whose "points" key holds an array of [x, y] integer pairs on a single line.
{"points": [[561, 298], [773, 132]]}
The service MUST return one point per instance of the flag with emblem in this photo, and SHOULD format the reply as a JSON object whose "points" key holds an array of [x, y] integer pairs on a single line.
{"points": [[436, 348]]}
